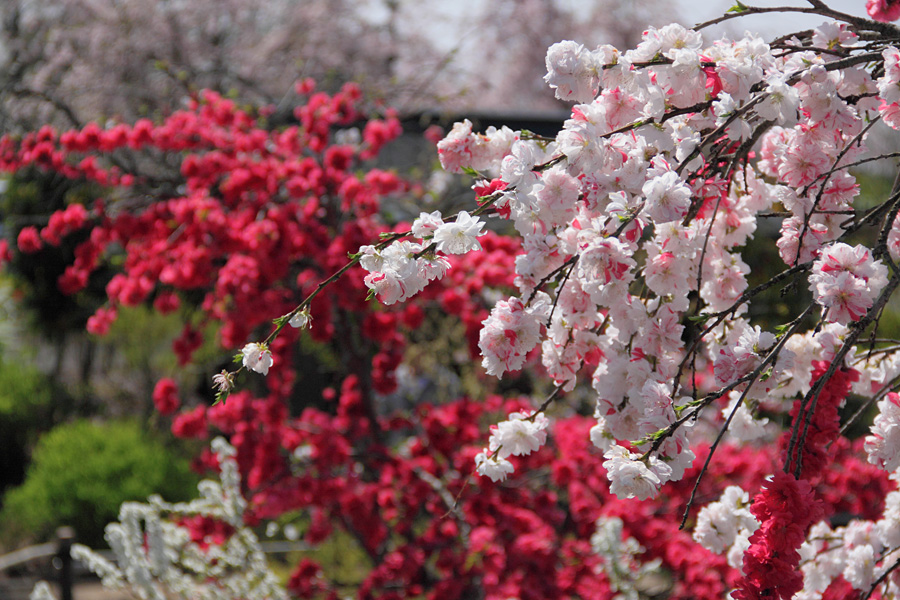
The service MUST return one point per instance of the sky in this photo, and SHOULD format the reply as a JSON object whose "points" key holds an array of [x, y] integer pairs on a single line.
{"points": [[767, 25], [455, 26], [692, 11]]}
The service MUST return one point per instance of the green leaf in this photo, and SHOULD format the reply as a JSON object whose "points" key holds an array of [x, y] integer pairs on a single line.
{"points": [[471, 172], [738, 8], [280, 320], [238, 358]]}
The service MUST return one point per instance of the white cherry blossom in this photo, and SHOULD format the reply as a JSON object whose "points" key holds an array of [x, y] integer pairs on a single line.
{"points": [[257, 357]]}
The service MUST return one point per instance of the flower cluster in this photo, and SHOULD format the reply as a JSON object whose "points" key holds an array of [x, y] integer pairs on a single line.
{"points": [[846, 280], [634, 219], [403, 269], [521, 435], [636, 188], [621, 558], [785, 510], [883, 445], [820, 421], [725, 526]]}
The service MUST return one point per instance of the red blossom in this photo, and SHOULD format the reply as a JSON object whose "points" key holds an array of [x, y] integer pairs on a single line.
{"points": [[5, 253], [165, 396], [191, 424], [29, 241], [824, 423], [883, 10], [100, 322], [786, 508]]}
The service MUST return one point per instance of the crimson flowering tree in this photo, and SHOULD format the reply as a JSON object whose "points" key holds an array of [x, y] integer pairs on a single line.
{"points": [[717, 451]]}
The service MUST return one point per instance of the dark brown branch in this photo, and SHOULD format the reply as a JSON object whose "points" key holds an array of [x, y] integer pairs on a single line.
{"points": [[862, 24]]}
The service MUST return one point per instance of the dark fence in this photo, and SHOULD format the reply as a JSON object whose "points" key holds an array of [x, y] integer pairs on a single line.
{"points": [[57, 552]]}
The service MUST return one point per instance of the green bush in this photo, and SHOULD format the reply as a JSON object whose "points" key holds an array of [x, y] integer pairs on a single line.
{"points": [[82, 471]]}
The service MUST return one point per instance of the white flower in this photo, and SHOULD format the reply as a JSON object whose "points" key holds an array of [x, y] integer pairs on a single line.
{"points": [[883, 445], [600, 436], [668, 198], [257, 357], [571, 72], [780, 102], [629, 477], [301, 319], [518, 436], [494, 467], [426, 224], [846, 280], [460, 236], [860, 569], [726, 522], [371, 259]]}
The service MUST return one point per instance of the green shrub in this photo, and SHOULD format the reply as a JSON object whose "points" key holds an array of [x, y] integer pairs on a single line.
{"points": [[82, 471]]}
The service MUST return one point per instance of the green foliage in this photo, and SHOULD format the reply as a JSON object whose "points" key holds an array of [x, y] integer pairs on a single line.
{"points": [[25, 396], [138, 349], [82, 471], [342, 559], [26, 403], [142, 338]]}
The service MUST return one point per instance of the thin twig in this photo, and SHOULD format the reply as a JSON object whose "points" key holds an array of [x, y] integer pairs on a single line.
{"points": [[856, 328], [771, 357], [817, 9]]}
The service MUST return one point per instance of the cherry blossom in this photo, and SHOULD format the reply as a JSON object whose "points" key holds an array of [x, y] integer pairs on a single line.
{"points": [[572, 72], [301, 319], [257, 357], [630, 477], [518, 436], [460, 236], [883, 445], [495, 467]]}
